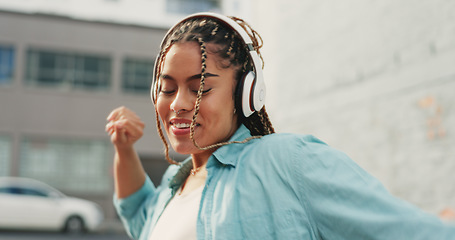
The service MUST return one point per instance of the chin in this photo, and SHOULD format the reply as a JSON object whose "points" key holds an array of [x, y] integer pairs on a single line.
{"points": [[188, 147], [185, 149]]}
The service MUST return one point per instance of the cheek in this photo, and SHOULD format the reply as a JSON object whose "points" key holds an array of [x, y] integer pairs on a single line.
{"points": [[162, 108], [222, 107]]}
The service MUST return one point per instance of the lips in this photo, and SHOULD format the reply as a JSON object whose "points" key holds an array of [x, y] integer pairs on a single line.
{"points": [[180, 126]]}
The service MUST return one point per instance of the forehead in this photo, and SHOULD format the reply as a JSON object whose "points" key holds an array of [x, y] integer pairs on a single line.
{"points": [[182, 56], [190, 46], [183, 61], [189, 54]]}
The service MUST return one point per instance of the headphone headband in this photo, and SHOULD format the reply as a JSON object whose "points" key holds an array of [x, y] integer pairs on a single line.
{"points": [[228, 21], [253, 96]]}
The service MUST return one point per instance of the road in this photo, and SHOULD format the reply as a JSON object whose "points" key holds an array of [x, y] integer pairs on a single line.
{"points": [[7, 235]]}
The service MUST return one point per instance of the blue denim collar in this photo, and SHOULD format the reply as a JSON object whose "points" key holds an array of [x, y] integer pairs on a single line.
{"points": [[225, 155]]}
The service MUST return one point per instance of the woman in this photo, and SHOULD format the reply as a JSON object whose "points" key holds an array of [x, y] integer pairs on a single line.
{"points": [[241, 180]]}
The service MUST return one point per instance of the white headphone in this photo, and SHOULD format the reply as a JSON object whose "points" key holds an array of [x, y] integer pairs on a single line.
{"points": [[252, 84]]}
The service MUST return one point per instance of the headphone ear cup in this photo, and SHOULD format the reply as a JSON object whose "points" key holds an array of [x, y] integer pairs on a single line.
{"points": [[238, 94], [258, 94], [155, 83], [247, 93], [155, 86], [152, 91]]}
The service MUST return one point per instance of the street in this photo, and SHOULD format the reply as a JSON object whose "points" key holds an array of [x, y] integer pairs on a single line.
{"points": [[10, 235]]}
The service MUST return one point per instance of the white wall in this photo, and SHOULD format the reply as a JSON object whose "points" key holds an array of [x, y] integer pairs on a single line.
{"points": [[375, 79]]}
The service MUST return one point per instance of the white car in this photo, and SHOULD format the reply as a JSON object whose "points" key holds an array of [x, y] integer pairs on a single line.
{"points": [[33, 205]]}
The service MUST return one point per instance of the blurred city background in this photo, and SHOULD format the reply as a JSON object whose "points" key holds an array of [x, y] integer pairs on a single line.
{"points": [[375, 79]]}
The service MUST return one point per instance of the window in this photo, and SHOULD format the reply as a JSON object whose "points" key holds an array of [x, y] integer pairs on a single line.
{"points": [[76, 166], [58, 69], [137, 75], [5, 155], [10, 190], [6, 64], [192, 6], [33, 192], [23, 191]]}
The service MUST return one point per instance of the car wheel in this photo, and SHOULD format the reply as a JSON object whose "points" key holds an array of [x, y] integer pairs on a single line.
{"points": [[74, 225]]}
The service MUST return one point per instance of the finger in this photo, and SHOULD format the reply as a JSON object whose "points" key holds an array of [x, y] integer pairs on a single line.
{"points": [[118, 112], [131, 117], [109, 126], [130, 120], [118, 136], [132, 130], [110, 131], [121, 136], [112, 115]]}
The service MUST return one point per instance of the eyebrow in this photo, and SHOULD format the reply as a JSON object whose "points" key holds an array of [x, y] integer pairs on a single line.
{"points": [[194, 77]]}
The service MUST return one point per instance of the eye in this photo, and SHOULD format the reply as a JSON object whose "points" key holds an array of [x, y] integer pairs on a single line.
{"points": [[168, 87], [167, 91], [203, 92]]}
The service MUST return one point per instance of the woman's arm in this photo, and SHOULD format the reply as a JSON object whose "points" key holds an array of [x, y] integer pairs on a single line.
{"points": [[125, 128], [348, 203]]}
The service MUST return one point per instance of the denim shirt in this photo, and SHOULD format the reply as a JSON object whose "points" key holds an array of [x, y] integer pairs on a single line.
{"points": [[284, 186]]}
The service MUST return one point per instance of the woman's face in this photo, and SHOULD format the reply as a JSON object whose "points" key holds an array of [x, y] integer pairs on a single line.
{"points": [[180, 80]]}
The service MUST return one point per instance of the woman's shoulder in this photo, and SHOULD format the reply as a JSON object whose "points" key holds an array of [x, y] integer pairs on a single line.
{"points": [[291, 149], [290, 141]]}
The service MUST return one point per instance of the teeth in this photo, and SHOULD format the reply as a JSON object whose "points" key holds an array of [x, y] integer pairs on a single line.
{"points": [[182, 125]]}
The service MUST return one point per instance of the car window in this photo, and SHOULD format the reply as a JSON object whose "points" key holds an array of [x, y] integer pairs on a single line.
{"points": [[10, 190], [4, 190], [33, 192], [23, 191]]}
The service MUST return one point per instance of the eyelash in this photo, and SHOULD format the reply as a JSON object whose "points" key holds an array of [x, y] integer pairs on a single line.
{"points": [[194, 91], [204, 92]]}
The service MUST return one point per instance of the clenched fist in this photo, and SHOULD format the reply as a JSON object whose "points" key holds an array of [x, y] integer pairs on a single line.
{"points": [[124, 127]]}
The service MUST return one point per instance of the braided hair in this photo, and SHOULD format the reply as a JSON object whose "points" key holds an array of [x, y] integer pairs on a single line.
{"points": [[230, 47]]}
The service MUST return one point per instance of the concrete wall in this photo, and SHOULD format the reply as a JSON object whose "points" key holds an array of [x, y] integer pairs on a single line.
{"points": [[375, 79]]}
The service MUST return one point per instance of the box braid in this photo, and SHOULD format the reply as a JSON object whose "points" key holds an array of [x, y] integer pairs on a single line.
{"points": [[229, 47]]}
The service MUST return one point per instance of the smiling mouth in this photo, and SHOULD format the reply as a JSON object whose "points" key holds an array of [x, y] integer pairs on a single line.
{"points": [[183, 125]]}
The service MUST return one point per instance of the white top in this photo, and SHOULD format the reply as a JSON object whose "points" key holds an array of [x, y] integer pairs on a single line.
{"points": [[178, 220]]}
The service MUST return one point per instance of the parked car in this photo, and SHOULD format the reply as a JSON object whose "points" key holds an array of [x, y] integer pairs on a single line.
{"points": [[33, 205]]}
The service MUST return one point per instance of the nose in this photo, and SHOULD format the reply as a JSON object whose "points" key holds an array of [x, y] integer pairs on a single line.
{"points": [[183, 101]]}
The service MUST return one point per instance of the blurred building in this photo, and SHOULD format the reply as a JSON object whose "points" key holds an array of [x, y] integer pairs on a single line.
{"points": [[63, 67]]}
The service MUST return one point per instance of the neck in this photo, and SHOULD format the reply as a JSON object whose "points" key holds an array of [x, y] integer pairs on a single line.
{"points": [[200, 159]]}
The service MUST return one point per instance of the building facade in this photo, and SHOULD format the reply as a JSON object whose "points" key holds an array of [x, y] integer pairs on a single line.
{"points": [[59, 80]]}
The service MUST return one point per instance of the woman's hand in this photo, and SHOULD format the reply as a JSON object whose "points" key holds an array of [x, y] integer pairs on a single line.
{"points": [[124, 127]]}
